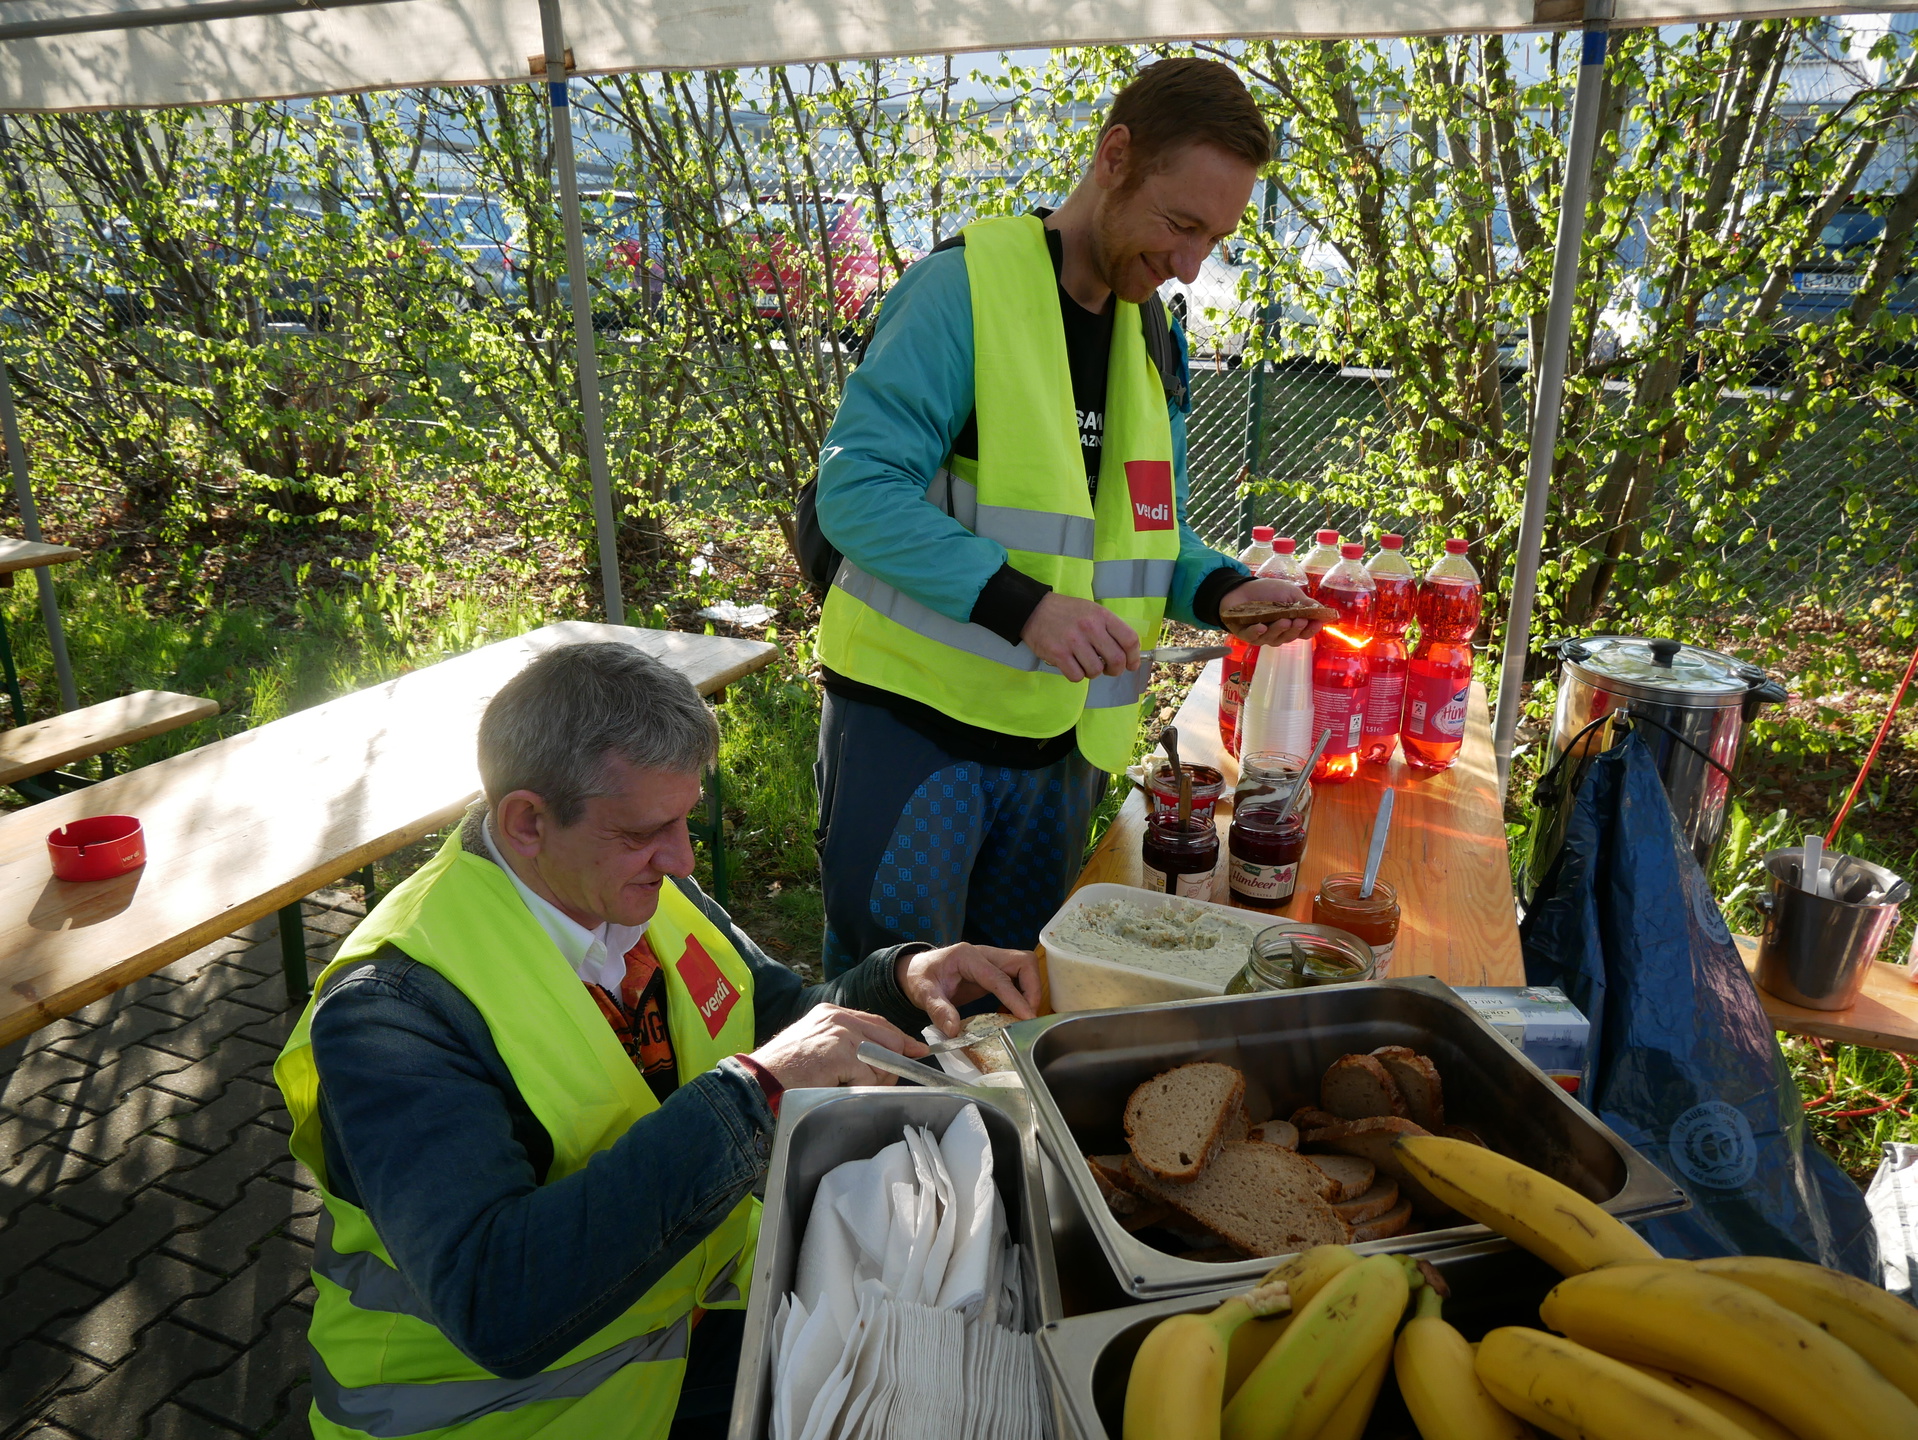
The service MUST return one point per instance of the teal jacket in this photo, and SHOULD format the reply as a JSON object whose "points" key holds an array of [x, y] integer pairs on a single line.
{"points": [[902, 409]]}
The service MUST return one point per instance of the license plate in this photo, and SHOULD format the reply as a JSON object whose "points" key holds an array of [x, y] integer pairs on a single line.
{"points": [[1848, 284]]}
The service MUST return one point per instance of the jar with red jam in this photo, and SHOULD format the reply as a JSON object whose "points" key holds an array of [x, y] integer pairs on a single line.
{"points": [[1180, 859], [1373, 918], [1264, 855], [1207, 785]]}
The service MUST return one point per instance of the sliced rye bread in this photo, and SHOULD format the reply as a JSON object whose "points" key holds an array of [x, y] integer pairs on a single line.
{"points": [[1260, 1199], [1108, 1173], [1238, 1127], [1176, 1121], [1351, 1175], [1383, 1195], [1358, 1087], [1282, 1133], [1383, 1227], [1371, 1139], [1309, 1118], [1418, 1081]]}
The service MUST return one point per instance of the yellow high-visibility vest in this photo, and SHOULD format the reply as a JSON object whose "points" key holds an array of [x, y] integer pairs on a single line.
{"points": [[380, 1365], [1027, 490]]}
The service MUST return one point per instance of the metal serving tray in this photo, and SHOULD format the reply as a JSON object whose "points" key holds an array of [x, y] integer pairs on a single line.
{"points": [[821, 1129], [1079, 1070], [1088, 1359]]}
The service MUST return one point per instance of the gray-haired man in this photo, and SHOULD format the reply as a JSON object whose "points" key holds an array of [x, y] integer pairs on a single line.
{"points": [[538, 1085]]}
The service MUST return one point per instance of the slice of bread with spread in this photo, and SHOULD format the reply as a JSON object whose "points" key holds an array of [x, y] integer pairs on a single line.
{"points": [[1176, 1121]]}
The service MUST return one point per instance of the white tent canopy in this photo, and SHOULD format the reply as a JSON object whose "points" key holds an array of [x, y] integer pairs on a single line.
{"points": [[200, 52]]}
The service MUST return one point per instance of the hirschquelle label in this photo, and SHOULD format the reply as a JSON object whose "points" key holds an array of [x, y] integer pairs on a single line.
{"points": [[1343, 713], [712, 992], [1435, 707], [1150, 484]]}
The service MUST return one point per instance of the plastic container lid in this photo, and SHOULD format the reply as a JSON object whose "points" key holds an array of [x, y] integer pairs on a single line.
{"points": [[1285, 546], [1661, 670], [1391, 542], [1352, 550], [1456, 546], [1262, 534], [1328, 537]]}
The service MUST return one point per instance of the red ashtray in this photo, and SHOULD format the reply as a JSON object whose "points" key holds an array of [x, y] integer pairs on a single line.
{"points": [[98, 848]]}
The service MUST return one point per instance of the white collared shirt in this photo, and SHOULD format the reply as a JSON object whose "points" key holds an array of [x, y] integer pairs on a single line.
{"points": [[597, 956]]}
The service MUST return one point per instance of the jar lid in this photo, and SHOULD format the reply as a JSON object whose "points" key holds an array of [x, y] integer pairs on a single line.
{"points": [[1662, 670]]}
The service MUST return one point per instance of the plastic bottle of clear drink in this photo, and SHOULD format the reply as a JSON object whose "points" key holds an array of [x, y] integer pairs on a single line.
{"points": [[1278, 699], [1323, 555], [1439, 678], [1385, 686], [1241, 659], [1339, 668]]}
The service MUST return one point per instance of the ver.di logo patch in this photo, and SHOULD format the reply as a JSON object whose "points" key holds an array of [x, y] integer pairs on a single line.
{"points": [[712, 992], [1150, 483], [1712, 1145]]}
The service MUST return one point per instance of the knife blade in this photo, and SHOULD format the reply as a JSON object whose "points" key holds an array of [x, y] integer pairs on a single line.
{"points": [[1183, 654]]}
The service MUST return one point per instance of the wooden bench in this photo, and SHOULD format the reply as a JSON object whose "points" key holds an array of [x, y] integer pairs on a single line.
{"points": [[30, 750], [246, 826]]}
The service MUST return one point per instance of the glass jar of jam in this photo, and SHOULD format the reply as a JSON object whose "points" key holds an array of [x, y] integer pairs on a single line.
{"points": [[1373, 918], [1264, 855], [1179, 859], [1295, 956], [1267, 777], [1207, 785]]}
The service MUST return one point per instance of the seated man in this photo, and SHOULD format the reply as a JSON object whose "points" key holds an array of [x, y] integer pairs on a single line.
{"points": [[538, 1085]]}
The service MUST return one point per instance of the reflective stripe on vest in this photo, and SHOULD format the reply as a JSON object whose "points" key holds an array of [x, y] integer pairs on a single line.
{"points": [[369, 1282], [395, 1411], [1038, 532]]}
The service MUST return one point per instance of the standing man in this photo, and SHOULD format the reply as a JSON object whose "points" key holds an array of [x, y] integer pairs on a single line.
{"points": [[1005, 480]]}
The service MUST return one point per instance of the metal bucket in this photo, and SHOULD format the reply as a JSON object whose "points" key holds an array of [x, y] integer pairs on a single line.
{"points": [[1816, 951]]}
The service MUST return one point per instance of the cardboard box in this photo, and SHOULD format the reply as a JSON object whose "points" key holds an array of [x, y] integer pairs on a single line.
{"points": [[1542, 1023]]}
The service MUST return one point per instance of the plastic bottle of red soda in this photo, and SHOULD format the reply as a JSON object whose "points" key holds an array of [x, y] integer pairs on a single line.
{"points": [[1319, 560], [1385, 685], [1439, 678], [1241, 659], [1339, 667]]}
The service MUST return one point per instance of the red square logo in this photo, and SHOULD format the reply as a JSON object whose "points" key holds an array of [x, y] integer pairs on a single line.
{"points": [[1150, 482], [712, 992]]}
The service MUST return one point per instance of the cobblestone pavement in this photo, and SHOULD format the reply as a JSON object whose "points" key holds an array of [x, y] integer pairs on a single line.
{"points": [[154, 1232]]}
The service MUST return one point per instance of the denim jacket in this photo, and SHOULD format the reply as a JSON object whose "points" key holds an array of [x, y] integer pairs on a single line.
{"points": [[423, 1128]]}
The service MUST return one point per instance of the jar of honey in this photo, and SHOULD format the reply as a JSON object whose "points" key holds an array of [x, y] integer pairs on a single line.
{"points": [[1180, 859], [1264, 851], [1373, 918]]}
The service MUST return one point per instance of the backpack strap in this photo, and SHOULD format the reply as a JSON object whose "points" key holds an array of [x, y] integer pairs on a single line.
{"points": [[1163, 349]]}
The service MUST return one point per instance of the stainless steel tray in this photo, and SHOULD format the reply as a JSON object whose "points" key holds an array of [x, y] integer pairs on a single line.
{"points": [[1080, 1068], [1089, 1358], [820, 1129]]}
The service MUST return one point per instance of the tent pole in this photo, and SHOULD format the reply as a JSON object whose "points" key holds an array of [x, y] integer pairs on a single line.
{"points": [[30, 522], [589, 408], [1586, 101]]}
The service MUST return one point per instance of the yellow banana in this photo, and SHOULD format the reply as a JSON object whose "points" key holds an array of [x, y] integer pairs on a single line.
{"points": [[1730, 1406], [1441, 1389], [1882, 1329], [1679, 1318], [1304, 1275], [1321, 1355], [1578, 1394], [1354, 1411], [1177, 1385], [1556, 1223]]}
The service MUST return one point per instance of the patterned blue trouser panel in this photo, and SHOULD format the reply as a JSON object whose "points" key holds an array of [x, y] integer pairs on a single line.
{"points": [[917, 844]]}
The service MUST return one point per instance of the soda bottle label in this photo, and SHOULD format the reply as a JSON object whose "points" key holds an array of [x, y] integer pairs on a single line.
{"points": [[1343, 713], [1435, 707], [1384, 702], [1271, 883]]}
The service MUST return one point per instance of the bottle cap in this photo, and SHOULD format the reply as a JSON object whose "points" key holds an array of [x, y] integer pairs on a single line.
{"points": [[1351, 550], [1457, 546], [1391, 542], [1285, 546], [1328, 537], [1262, 534]]}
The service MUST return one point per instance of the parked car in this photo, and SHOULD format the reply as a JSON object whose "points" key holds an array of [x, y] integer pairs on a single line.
{"points": [[786, 257], [1219, 308]]}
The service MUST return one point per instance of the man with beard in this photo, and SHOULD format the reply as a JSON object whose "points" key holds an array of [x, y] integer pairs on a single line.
{"points": [[1004, 481]]}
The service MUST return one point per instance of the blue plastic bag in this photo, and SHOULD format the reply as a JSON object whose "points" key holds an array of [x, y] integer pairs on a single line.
{"points": [[1686, 1068]]}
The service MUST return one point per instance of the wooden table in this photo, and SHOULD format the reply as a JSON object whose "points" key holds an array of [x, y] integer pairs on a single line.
{"points": [[1446, 855], [1884, 1016], [246, 826], [23, 555]]}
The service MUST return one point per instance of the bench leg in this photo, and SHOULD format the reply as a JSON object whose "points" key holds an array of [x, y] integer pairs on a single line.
{"points": [[364, 875], [12, 676], [293, 951], [716, 839]]}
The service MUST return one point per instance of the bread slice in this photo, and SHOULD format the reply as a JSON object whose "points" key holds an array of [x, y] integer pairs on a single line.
{"points": [[1383, 1227], [1351, 1175], [1418, 1081], [1258, 1198], [1108, 1173], [992, 1053], [1383, 1195], [1467, 1134], [1309, 1118], [1371, 1139], [1238, 1127], [1176, 1121], [1264, 612], [1282, 1133], [1358, 1087]]}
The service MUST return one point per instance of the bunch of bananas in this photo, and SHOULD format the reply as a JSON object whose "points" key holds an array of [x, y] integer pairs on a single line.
{"points": [[1739, 1348]]}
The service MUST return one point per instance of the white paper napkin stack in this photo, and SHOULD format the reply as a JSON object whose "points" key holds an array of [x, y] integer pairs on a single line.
{"points": [[907, 1311]]}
